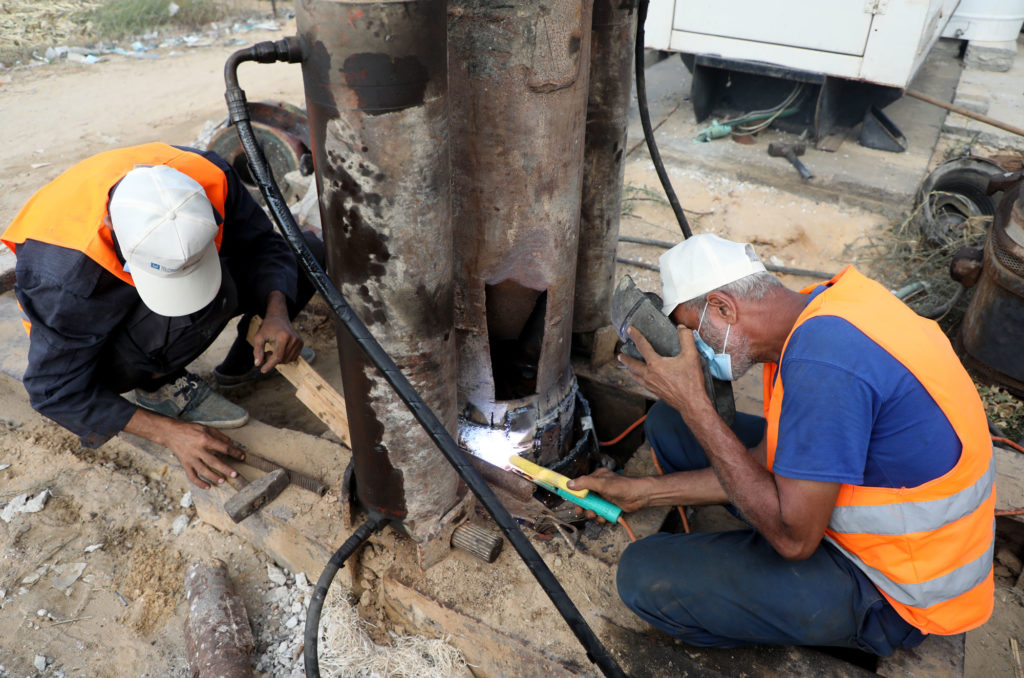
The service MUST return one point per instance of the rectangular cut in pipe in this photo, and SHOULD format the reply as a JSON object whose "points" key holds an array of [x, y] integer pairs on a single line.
{"points": [[518, 98]]}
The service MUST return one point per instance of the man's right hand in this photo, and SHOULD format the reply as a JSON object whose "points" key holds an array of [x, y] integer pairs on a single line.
{"points": [[629, 494], [195, 446]]}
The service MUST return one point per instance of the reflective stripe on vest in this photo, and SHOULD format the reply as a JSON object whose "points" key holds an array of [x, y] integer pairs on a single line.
{"points": [[913, 516], [929, 548], [934, 591], [70, 210]]}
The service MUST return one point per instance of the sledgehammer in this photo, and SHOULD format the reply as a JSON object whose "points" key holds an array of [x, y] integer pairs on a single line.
{"points": [[253, 496], [777, 149]]}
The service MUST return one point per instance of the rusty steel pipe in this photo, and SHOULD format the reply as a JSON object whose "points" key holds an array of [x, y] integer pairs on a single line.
{"points": [[217, 632], [604, 160], [990, 331], [518, 91], [376, 92]]}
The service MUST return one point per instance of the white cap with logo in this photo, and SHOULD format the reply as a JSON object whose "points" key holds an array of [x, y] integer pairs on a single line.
{"points": [[165, 227], [702, 263]]}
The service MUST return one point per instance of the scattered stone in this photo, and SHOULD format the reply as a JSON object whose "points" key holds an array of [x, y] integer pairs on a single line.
{"points": [[33, 577], [93, 547], [179, 524], [41, 612], [24, 504], [4, 467], [275, 575], [291, 623], [186, 500], [67, 574], [39, 662]]}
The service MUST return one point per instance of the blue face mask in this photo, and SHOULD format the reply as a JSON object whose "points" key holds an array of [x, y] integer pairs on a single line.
{"points": [[720, 363]]}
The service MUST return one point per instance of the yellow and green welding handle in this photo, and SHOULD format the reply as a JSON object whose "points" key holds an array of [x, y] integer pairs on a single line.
{"points": [[545, 475], [592, 501]]}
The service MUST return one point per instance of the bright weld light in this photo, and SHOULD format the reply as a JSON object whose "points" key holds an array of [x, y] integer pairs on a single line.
{"points": [[489, 444]]}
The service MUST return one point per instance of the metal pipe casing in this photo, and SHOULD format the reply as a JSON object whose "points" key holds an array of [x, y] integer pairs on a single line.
{"points": [[990, 331], [518, 90], [375, 77], [604, 160]]}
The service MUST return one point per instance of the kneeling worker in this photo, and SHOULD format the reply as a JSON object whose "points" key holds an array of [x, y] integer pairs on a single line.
{"points": [[868, 483], [129, 265]]}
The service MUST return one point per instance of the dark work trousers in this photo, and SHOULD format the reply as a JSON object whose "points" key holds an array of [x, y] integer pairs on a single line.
{"points": [[152, 349], [730, 589]]}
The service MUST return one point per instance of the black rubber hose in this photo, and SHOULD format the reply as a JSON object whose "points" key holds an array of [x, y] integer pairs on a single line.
{"points": [[238, 114], [311, 634], [665, 244], [645, 121]]}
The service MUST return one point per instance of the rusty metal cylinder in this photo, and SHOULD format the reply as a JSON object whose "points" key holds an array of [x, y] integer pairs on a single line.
{"points": [[604, 159], [990, 331], [218, 637], [375, 78], [518, 92]]}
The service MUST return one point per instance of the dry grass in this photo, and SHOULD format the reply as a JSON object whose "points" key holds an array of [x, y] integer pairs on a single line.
{"points": [[898, 256], [347, 651]]}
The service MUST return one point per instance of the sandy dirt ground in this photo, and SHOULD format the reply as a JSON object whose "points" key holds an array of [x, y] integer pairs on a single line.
{"points": [[123, 614]]}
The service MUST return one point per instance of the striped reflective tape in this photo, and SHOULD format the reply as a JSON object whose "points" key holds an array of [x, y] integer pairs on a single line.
{"points": [[933, 591], [913, 516]]}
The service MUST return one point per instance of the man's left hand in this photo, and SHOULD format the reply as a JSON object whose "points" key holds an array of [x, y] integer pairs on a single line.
{"points": [[678, 380], [278, 331]]}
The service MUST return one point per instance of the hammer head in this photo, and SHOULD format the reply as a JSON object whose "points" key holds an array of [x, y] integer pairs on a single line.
{"points": [[255, 495], [778, 149]]}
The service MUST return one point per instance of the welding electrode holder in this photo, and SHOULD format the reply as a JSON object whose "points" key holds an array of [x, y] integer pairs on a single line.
{"points": [[632, 307]]}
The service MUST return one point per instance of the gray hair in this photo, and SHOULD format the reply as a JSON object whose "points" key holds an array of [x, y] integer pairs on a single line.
{"points": [[753, 287]]}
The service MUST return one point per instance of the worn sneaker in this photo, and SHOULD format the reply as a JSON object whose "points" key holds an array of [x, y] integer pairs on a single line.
{"points": [[229, 381], [191, 399]]}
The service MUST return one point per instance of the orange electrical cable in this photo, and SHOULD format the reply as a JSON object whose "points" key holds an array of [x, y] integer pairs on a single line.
{"points": [[682, 511], [629, 531], [1007, 441], [625, 433]]}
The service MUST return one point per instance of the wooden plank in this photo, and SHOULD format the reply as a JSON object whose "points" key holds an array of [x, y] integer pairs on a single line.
{"points": [[313, 391], [298, 529], [489, 651], [1009, 480]]}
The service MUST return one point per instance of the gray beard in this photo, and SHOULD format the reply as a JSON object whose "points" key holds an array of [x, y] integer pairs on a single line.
{"points": [[738, 349]]}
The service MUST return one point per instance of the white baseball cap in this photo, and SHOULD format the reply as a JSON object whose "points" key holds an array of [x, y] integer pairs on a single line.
{"points": [[165, 226], [702, 263]]}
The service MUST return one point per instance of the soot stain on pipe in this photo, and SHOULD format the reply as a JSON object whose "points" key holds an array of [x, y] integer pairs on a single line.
{"points": [[383, 84]]}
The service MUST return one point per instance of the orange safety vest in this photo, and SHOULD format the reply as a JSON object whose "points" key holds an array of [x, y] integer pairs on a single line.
{"points": [[929, 548], [69, 211]]}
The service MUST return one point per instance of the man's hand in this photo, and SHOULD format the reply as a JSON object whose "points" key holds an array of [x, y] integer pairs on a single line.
{"points": [[678, 380], [629, 494], [195, 446], [278, 331]]}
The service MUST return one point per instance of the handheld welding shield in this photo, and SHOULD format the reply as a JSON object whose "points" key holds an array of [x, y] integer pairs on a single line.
{"points": [[632, 307]]}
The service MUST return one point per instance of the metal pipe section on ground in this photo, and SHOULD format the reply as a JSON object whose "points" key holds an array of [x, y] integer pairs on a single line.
{"points": [[604, 160], [375, 78], [518, 76]]}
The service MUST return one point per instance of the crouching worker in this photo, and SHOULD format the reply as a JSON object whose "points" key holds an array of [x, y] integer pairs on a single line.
{"points": [[129, 265], [868, 483]]}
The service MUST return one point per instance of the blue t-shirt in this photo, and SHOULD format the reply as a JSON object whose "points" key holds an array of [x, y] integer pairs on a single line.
{"points": [[854, 414]]}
